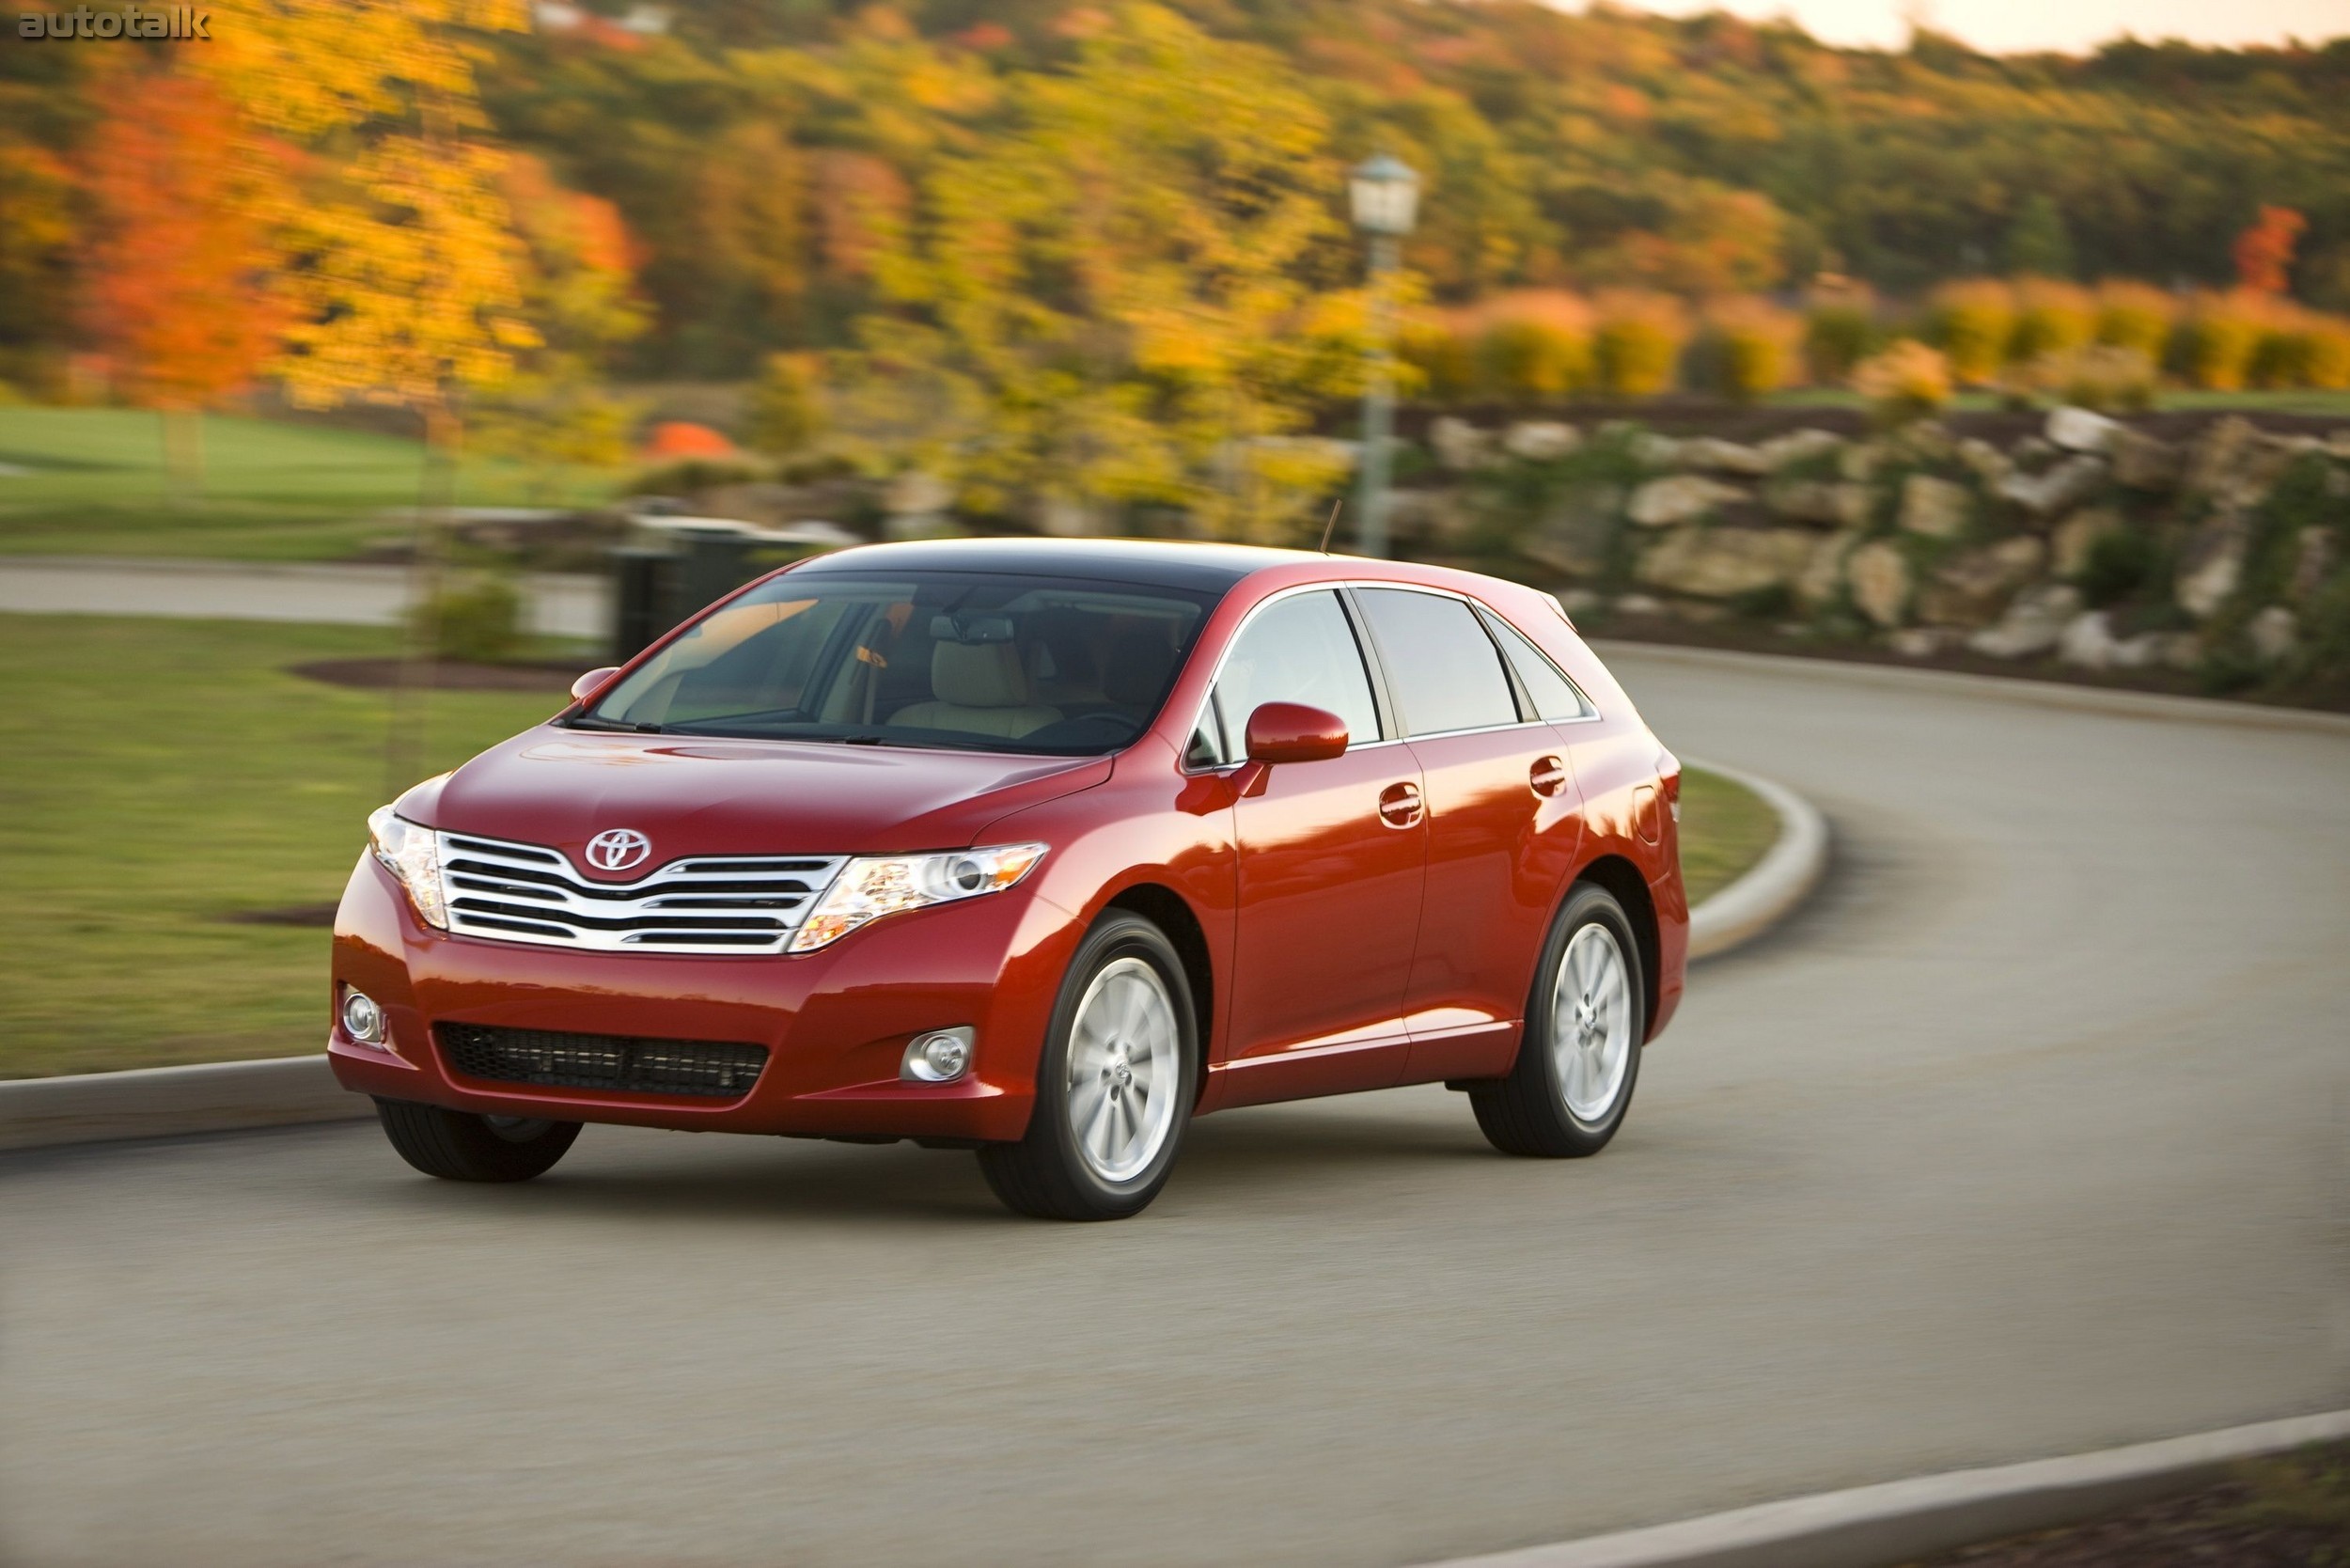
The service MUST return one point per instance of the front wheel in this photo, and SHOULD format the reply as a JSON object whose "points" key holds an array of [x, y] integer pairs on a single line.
{"points": [[458, 1146], [1114, 1084], [1571, 1083]]}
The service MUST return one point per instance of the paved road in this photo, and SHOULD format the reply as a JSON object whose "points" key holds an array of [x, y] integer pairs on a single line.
{"points": [[559, 605], [2029, 1138]]}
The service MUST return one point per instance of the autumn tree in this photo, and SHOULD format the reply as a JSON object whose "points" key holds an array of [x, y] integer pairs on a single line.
{"points": [[2264, 252], [1113, 299], [177, 262]]}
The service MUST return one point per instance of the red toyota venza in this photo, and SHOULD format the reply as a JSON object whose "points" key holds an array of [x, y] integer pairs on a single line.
{"points": [[1036, 847]]}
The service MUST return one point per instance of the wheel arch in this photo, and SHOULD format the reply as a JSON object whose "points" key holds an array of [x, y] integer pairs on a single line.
{"points": [[1622, 878], [1166, 909]]}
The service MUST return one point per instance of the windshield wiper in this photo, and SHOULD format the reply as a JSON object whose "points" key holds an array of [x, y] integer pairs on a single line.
{"points": [[618, 726]]}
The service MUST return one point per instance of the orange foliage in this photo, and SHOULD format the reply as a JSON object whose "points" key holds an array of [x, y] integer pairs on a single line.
{"points": [[859, 200], [675, 439], [175, 270], [2264, 251]]}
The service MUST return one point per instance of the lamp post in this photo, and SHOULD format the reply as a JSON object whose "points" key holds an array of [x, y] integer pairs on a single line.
{"points": [[1385, 196]]}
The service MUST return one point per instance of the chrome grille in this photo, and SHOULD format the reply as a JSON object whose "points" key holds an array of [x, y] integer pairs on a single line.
{"points": [[731, 903]]}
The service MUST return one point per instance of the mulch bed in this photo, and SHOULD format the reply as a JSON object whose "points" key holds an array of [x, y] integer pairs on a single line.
{"points": [[383, 674], [2292, 1513]]}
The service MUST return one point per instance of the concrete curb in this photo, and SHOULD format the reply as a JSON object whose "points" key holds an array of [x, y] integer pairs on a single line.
{"points": [[224, 1096], [1900, 1521], [162, 1102], [1775, 884]]}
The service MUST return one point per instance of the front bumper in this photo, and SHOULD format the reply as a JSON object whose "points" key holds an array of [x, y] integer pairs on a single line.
{"points": [[835, 1021]]}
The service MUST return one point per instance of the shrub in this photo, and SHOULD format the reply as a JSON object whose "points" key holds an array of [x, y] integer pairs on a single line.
{"points": [[2135, 315], [2216, 341], [2050, 318], [2122, 562], [783, 415], [1839, 330], [1441, 357], [2098, 376], [475, 622], [693, 474], [1750, 347], [1637, 349], [1908, 381], [2302, 348], [1519, 359], [1971, 321]]}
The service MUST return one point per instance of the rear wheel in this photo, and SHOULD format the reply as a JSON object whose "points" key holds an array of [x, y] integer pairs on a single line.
{"points": [[459, 1146], [1571, 1083], [1114, 1084]]}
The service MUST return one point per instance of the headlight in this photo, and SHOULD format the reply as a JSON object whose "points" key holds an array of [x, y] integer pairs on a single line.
{"points": [[413, 855], [873, 886]]}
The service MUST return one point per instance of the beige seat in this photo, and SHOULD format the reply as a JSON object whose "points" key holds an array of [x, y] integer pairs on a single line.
{"points": [[980, 688]]}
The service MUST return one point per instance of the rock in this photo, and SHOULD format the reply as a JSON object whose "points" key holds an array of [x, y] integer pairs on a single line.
{"points": [[1459, 445], [2275, 635], [1541, 440], [1968, 589], [916, 492], [2142, 462], [1878, 575], [1680, 498], [2222, 461], [2087, 641], [1722, 563], [1796, 446], [1921, 642], [2210, 566], [1639, 603], [2312, 562], [1822, 575], [2180, 650], [2338, 442], [2142, 651], [2033, 451], [1651, 450], [1987, 460], [2034, 622], [1936, 507], [1579, 600], [1926, 441], [1574, 534], [1714, 454], [1860, 461], [2081, 430], [1843, 505], [2066, 485], [1434, 518], [2077, 536]]}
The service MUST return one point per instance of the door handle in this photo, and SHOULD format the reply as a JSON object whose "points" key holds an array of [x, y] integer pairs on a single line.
{"points": [[1547, 777], [1398, 804]]}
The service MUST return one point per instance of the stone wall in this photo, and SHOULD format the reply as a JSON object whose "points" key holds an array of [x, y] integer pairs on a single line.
{"points": [[2089, 542]]}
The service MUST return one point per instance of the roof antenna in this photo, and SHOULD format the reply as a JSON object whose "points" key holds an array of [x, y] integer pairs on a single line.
{"points": [[1331, 524]]}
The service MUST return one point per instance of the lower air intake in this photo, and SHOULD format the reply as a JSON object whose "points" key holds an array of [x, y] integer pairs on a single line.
{"points": [[629, 1064]]}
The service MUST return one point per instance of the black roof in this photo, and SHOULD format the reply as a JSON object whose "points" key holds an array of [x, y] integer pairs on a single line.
{"points": [[1159, 563]]}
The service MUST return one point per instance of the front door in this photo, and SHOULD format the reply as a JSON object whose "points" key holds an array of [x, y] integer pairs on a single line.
{"points": [[1331, 858]]}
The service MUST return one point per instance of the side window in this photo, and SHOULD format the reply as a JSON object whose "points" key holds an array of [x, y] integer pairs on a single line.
{"points": [[1555, 696], [1443, 668], [1297, 650]]}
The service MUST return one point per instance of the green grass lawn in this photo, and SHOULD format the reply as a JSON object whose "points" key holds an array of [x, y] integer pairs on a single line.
{"points": [[165, 776], [1725, 828], [93, 483]]}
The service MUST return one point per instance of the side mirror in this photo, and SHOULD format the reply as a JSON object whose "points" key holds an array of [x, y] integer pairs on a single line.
{"points": [[1293, 732], [593, 679]]}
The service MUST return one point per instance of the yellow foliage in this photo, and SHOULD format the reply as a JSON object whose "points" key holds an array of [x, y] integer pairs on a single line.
{"points": [[2218, 336], [1638, 346], [1973, 321], [2135, 315], [1906, 381], [1755, 346], [2051, 317]]}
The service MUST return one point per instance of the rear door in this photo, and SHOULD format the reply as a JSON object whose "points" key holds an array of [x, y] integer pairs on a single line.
{"points": [[1331, 857], [1502, 823]]}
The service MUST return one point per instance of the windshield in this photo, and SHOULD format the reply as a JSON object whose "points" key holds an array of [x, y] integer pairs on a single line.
{"points": [[984, 662]]}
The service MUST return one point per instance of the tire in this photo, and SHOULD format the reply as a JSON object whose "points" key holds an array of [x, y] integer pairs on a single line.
{"points": [[1114, 1083], [458, 1146], [1566, 1103]]}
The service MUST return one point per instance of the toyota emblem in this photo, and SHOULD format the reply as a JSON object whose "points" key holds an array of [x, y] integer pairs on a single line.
{"points": [[616, 849]]}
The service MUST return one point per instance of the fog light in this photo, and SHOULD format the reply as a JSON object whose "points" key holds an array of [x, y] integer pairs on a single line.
{"points": [[362, 1019], [937, 1057]]}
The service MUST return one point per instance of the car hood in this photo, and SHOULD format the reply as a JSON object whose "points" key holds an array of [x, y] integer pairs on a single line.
{"points": [[702, 796]]}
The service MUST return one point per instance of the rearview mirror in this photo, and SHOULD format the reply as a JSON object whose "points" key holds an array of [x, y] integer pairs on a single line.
{"points": [[593, 679], [1293, 732]]}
